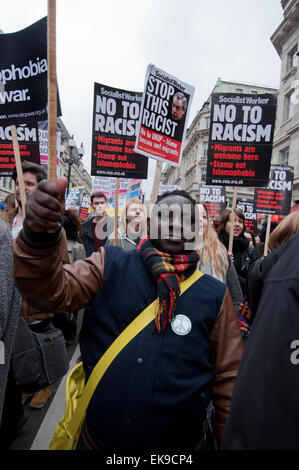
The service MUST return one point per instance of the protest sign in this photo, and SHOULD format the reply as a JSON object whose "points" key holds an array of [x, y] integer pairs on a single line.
{"points": [[214, 198], [250, 216], [43, 145], [123, 183], [23, 73], [240, 139], [117, 195], [276, 197], [164, 115], [85, 206], [133, 189], [101, 184], [74, 196], [27, 136], [115, 116]]}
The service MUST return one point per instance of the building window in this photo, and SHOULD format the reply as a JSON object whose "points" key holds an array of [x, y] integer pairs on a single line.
{"points": [[10, 183], [284, 157], [239, 90], [207, 122], [289, 106], [205, 149], [253, 92], [292, 59], [203, 173]]}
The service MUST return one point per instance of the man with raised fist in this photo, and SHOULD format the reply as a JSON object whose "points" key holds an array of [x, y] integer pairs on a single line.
{"points": [[170, 388]]}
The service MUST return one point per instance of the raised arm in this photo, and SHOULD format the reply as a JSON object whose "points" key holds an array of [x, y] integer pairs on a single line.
{"points": [[44, 282]]}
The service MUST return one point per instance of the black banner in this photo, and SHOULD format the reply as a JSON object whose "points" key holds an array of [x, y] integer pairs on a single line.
{"points": [[214, 199], [276, 198], [250, 216], [114, 130], [240, 139], [24, 75], [28, 146]]}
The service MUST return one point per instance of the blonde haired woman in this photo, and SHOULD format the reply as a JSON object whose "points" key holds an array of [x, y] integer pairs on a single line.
{"points": [[132, 225], [214, 259], [284, 230]]}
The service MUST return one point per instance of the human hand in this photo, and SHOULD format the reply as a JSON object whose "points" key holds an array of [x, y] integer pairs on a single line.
{"points": [[45, 206], [231, 257]]}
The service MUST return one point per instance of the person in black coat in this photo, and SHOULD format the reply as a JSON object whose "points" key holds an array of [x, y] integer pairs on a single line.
{"points": [[264, 412], [258, 270], [242, 253]]}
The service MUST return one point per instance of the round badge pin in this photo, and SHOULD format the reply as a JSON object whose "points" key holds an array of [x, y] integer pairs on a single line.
{"points": [[181, 325]]}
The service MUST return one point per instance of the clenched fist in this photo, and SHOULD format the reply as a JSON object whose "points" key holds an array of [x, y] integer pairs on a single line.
{"points": [[45, 206]]}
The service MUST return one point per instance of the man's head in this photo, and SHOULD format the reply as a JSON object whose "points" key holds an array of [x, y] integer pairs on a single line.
{"points": [[32, 175], [179, 106], [98, 203], [174, 223]]}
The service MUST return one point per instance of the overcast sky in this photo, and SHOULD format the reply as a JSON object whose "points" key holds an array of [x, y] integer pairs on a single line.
{"points": [[112, 42]]}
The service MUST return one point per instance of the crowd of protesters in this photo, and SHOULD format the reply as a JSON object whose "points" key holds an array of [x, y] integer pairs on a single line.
{"points": [[170, 388]]}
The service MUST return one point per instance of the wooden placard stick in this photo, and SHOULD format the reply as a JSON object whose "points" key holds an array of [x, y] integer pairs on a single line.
{"points": [[232, 221], [116, 211], [267, 234], [18, 167], [52, 92], [156, 183]]}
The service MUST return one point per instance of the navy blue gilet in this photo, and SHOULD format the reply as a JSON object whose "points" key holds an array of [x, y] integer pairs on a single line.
{"points": [[152, 395]]}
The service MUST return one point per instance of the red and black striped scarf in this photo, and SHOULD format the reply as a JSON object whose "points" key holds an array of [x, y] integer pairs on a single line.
{"points": [[168, 270]]}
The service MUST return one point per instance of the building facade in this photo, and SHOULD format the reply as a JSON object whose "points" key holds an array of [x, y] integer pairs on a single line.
{"points": [[193, 170], [79, 175], [286, 138]]}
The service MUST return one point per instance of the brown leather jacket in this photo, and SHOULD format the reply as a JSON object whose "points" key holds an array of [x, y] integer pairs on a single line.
{"points": [[30, 313], [70, 287]]}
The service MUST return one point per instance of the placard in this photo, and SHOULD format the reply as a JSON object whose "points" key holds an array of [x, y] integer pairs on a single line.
{"points": [[164, 116], [84, 206], [28, 147], [134, 189], [114, 129], [240, 139], [74, 196], [24, 75], [100, 184], [214, 198], [276, 198], [247, 208], [43, 145]]}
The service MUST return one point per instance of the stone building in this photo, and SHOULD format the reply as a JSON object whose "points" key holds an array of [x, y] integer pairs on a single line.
{"points": [[79, 175], [192, 172], [286, 138]]}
